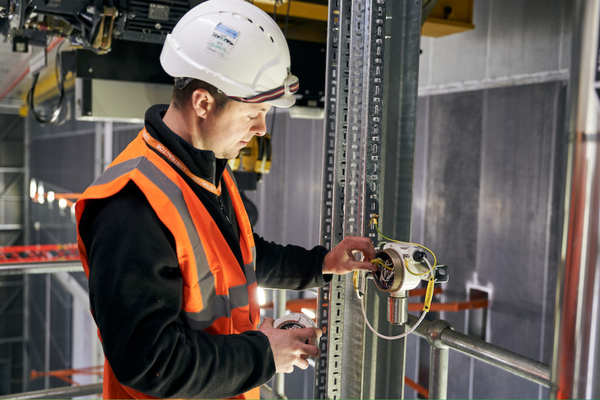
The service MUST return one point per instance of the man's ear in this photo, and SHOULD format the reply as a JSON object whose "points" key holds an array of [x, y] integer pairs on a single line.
{"points": [[202, 102]]}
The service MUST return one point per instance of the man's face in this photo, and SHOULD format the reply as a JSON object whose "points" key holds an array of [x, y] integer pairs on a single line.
{"points": [[228, 130]]}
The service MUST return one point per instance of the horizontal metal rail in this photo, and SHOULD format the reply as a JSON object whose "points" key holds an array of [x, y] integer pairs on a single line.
{"points": [[66, 392], [40, 267], [514, 363], [266, 392]]}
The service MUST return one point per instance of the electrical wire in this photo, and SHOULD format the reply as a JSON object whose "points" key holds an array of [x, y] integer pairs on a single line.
{"points": [[382, 265], [362, 308], [61, 90], [374, 221]]}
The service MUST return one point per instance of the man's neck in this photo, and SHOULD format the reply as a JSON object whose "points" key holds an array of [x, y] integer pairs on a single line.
{"points": [[181, 124]]}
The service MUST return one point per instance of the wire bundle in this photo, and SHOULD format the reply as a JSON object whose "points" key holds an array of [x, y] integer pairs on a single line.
{"points": [[387, 276]]}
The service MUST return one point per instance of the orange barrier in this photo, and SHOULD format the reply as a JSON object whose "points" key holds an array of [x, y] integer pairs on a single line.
{"points": [[455, 306], [296, 305], [67, 374], [416, 387], [39, 253]]}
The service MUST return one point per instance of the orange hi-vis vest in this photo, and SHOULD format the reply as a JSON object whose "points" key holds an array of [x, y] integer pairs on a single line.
{"points": [[219, 294]]}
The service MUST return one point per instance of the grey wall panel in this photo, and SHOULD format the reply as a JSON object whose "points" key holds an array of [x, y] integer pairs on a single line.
{"points": [[123, 134], [453, 179], [458, 57], [494, 184], [65, 162], [11, 154], [288, 198], [269, 195], [567, 8], [524, 36], [514, 220], [512, 39], [288, 201], [420, 171]]}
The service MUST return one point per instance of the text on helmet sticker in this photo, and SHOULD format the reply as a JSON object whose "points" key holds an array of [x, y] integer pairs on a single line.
{"points": [[222, 41]]}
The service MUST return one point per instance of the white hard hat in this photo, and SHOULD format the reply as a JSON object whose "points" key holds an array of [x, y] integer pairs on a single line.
{"points": [[234, 46]]}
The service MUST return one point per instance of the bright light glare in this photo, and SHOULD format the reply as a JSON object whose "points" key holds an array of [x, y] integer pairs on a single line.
{"points": [[62, 203], [40, 192], [32, 189], [50, 197], [261, 296], [309, 313]]}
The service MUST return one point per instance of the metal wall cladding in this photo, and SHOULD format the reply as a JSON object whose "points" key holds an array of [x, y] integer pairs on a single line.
{"points": [[289, 196], [63, 155], [494, 175], [288, 199], [511, 38]]}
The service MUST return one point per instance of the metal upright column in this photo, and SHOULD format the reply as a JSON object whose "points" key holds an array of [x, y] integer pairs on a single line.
{"points": [[386, 359], [351, 179], [331, 297], [577, 334], [356, 111]]}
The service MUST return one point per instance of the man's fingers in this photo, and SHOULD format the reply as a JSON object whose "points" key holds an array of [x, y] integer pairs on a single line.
{"points": [[302, 363], [312, 351], [362, 244], [362, 265], [268, 322], [308, 333]]}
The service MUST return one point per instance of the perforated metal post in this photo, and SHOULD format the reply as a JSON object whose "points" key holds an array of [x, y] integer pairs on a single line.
{"points": [[351, 178]]}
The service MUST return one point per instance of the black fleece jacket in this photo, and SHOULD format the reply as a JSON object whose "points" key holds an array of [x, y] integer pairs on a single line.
{"points": [[136, 289]]}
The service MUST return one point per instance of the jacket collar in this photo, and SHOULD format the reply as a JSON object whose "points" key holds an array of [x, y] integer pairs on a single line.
{"points": [[201, 163]]}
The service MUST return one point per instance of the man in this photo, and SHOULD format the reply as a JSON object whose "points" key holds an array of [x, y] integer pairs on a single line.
{"points": [[171, 258]]}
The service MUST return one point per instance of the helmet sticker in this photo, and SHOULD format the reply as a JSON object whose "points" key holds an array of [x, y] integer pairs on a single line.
{"points": [[222, 41]]}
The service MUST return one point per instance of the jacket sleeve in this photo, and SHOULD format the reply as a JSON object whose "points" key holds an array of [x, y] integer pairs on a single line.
{"points": [[289, 267], [136, 296]]}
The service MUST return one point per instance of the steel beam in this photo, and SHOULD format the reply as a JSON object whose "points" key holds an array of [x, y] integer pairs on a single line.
{"points": [[356, 34], [331, 297], [358, 108], [575, 364], [66, 392], [40, 268], [12, 170]]}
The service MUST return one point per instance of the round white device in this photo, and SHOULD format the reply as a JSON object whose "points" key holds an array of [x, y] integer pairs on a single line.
{"points": [[295, 321]]}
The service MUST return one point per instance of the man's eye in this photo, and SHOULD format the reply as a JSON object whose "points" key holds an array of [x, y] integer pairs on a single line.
{"points": [[252, 117]]}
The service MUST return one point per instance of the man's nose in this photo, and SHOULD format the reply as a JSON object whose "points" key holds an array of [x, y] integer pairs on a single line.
{"points": [[260, 127]]}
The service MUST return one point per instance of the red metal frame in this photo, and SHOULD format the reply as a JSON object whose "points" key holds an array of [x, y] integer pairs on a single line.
{"points": [[67, 374], [39, 253]]}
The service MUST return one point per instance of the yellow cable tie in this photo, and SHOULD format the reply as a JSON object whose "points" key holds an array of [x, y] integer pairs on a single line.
{"points": [[429, 294]]}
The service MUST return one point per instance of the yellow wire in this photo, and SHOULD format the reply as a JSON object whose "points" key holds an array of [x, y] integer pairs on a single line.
{"points": [[413, 273], [374, 221], [379, 261]]}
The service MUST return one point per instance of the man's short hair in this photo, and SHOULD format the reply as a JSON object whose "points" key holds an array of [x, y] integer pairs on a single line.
{"points": [[182, 96]]}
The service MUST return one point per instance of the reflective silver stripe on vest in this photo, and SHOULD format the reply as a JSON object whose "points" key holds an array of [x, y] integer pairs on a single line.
{"points": [[206, 279], [221, 306], [249, 269], [214, 306]]}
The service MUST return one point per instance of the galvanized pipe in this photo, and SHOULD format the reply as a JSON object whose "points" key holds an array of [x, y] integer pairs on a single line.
{"points": [[66, 392], [507, 360], [279, 305], [576, 338], [40, 267], [438, 360]]}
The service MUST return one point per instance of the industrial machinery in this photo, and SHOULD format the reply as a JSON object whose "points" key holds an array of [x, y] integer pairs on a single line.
{"points": [[88, 24]]}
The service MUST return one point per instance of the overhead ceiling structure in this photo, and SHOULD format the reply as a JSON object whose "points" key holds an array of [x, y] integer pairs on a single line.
{"points": [[96, 27]]}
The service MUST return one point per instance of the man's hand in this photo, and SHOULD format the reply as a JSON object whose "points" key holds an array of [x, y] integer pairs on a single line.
{"points": [[288, 345], [341, 259]]}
